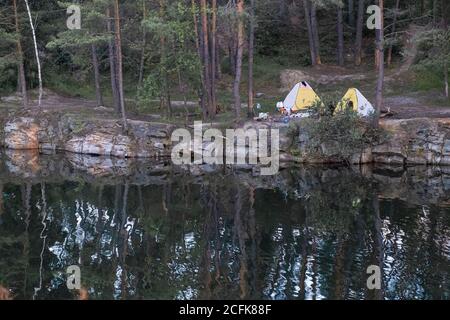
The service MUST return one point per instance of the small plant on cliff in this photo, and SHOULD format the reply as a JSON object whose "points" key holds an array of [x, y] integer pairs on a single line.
{"points": [[339, 135]]}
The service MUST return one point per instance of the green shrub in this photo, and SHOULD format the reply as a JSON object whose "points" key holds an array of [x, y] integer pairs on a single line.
{"points": [[427, 80], [340, 135]]}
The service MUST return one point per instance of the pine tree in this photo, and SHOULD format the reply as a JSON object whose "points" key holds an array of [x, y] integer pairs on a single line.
{"points": [[85, 42]]}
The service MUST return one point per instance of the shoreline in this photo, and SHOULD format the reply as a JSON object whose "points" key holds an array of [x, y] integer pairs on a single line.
{"points": [[419, 141]]}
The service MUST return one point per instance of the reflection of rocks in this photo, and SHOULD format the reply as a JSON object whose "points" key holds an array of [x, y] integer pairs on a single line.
{"points": [[24, 162], [24, 167], [99, 166], [417, 185]]}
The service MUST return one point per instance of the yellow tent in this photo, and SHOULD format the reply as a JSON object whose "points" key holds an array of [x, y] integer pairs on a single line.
{"points": [[301, 97], [354, 100]]}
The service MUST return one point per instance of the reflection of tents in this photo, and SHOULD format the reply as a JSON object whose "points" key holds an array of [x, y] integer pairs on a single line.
{"points": [[354, 100], [301, 97]]}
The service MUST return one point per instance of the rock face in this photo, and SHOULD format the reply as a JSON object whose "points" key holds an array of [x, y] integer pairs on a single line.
{"points": [[93, 136], [99, 143], [21, 134], [408, 142], [415, 141]]}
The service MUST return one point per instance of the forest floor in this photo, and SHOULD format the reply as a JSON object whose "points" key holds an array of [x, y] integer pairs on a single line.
{"points": [[405, 95], [402, 93]]}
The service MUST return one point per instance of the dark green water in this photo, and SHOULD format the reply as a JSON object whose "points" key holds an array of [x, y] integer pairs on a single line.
{"points": [[145, 231]]}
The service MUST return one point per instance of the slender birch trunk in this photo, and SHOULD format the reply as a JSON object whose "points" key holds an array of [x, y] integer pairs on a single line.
{"points": [[36, 51]]}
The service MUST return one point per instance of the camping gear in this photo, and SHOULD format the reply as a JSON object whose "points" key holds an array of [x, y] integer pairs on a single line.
{"points": [[354, 100], [387, 113], [262, 116], [281, 109], [301, 97]]}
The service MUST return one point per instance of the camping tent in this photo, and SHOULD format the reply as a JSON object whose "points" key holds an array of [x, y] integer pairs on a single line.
{"points": [[301, 97], [354, 100]]}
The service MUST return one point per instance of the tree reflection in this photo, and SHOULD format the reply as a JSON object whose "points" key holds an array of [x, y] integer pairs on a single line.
{"points": [[308, 233]]}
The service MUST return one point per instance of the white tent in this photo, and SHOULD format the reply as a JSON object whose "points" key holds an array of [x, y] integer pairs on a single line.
{"points": [[354, 100], [301, 97]]}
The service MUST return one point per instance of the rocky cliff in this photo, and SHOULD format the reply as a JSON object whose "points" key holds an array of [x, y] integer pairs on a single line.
{"points": [[407, 142], [51, 132], [420, 141]]}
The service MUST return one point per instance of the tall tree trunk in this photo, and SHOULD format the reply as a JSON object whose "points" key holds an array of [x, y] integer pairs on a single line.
{"points": [[202, 91], [232, 56], [380, 82], [435, 12], [282, 9], [118, 41], [351, 13], [240, 53], [251, 48], [112, 63], [359, 33], [394, 26], [206, 56], [312, 49], [144, 42], [446, 79], [36, 52], [1, 199], [182, 89], [213, 110], [340, 31], [18, 85], [315, 31], [21, 70], [378, 237], [445, 13], [165, 93], [218, 67], [98, 90]]}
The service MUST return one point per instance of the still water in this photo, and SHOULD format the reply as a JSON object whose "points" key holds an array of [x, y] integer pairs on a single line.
{"points": [[141, 230]]}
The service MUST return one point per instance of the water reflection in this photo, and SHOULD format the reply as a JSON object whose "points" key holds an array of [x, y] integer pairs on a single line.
{"points": [[148, 231]]}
